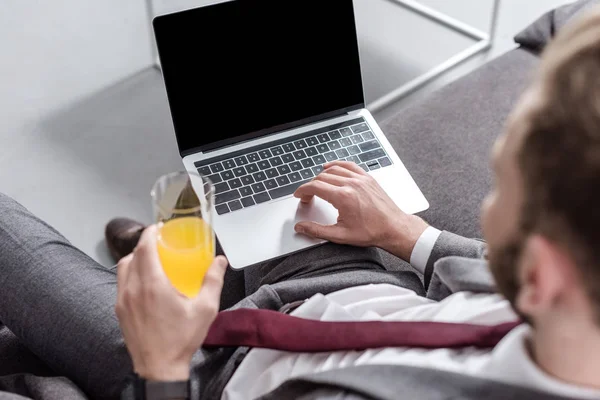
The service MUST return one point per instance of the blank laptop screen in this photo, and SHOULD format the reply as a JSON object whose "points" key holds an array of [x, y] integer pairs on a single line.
{"points": [[237, 70]]}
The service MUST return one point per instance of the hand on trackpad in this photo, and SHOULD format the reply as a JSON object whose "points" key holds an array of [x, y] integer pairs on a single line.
{"points": [[367, 215]]}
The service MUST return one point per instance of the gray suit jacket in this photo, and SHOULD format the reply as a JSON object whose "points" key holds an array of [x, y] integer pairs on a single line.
{"points": [[456, 264]]}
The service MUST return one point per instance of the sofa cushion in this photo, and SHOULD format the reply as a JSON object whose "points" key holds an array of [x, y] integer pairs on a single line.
{"points": [[537, 35], [445, 140]]}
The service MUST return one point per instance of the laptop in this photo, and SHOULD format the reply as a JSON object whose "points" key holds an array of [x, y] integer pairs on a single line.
{"points": [[262, 94]]}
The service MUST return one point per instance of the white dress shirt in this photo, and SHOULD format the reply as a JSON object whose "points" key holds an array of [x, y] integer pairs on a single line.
{"points": [[264, 370]]}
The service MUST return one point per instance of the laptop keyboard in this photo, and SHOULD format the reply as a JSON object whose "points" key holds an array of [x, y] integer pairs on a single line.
{"points": [[276, 170]]}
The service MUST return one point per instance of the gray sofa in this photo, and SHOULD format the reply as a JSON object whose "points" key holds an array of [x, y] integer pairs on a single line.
{"points": [[444, 141]]}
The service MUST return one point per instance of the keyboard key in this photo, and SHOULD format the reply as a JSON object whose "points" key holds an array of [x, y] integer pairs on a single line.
{"points": [[258, 187], [356, 139], [364, 166], [360, 128], [277, 151], [284, 169], [335, 135], [235, 205], [283, 180], [323, 148], [307, 163], [295, 176], [227, 175], [353, 150], [319, 159], [368, 135], [216, 178], [276, 161], [252, 168], [335, 145], [346, 132], [385, 162], [307, 174], [323, 138], [235, 184], [346, 142], [372, 155], [271, 184], [287, 158], [248, 202], [240, 171], [229, 164], [311, 151], [369, 145], [204, 171], [246, 191], [254, 157], [300, 144], [241, 161], [287, 190], [299, 155], [260, 176], [317, 170], [264, 165], [264, 154], [218, 167], [272, 173], [296, 166], [331, 156], [342, 153], [374, 166], [221, 188], [262, 198], [247, 180], [312, 141], [222, 209], [227, 197], [353, 159], [288, 147]]}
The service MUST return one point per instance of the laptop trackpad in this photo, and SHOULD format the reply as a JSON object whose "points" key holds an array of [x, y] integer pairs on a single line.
{"points": [[262, 233]]}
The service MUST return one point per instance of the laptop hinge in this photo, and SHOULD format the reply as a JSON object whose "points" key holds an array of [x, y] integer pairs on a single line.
{"points": [[282, 128]]}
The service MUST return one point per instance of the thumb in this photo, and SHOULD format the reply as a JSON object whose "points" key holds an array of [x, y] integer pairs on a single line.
{"points": [[213, 283], [332, 233]]}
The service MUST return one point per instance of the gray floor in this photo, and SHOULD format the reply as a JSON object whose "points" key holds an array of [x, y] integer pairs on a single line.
{"points": [[84, 124]]}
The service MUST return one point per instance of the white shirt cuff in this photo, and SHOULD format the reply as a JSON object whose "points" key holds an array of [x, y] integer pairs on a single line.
{"points": [[423, 248]]}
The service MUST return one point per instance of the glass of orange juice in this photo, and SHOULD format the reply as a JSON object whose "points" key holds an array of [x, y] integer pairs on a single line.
{"points": [[183, 204]]}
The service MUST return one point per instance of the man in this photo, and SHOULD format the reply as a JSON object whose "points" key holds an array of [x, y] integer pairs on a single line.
{"points": [[540, 223]]}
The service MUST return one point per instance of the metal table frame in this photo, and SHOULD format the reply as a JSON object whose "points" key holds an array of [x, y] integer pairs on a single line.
{"points": [[484, 43]]}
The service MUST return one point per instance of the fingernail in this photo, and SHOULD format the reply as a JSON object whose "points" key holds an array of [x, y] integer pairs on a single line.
{"points": [[299, 228], [222, 262]]}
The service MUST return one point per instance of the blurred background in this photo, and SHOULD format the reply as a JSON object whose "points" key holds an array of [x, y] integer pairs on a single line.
{"points": [[85, 128]]}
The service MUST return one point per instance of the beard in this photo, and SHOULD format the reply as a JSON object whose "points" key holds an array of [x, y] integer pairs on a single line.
{"points": [[504, 264]]}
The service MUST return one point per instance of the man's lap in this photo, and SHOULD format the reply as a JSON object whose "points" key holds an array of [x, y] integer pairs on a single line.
{"points": [[60, 302]]}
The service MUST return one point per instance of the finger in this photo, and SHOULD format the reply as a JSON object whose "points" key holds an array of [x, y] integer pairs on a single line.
{"points": [[333, 233], [317, 188], [331, 179], [213, 283], [347, 165], [147, 267], [122, 273], [339, 171]]}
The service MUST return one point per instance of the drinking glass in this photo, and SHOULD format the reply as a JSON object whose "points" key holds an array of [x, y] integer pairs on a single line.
{"points": [[183, 204]]}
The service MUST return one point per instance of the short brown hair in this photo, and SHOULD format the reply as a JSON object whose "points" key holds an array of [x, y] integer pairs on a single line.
{"points": [[560, 156]]}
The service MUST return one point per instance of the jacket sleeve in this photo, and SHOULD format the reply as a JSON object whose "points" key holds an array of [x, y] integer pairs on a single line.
{"points": [[457, 264]]}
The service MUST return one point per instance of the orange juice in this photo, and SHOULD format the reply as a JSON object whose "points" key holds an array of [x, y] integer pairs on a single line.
{"points": [[186, 250]]}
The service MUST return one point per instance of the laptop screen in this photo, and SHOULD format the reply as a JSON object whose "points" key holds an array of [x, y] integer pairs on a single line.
{"points": [[243, 68]]}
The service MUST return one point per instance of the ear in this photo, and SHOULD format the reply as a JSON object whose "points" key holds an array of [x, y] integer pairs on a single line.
{"points": [[544, 274]]}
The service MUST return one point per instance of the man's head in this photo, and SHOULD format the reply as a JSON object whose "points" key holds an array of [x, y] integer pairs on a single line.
{"points": [[542, 221]]}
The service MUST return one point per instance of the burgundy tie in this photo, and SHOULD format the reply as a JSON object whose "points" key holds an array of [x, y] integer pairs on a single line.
{"points": [[273, 330]]}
